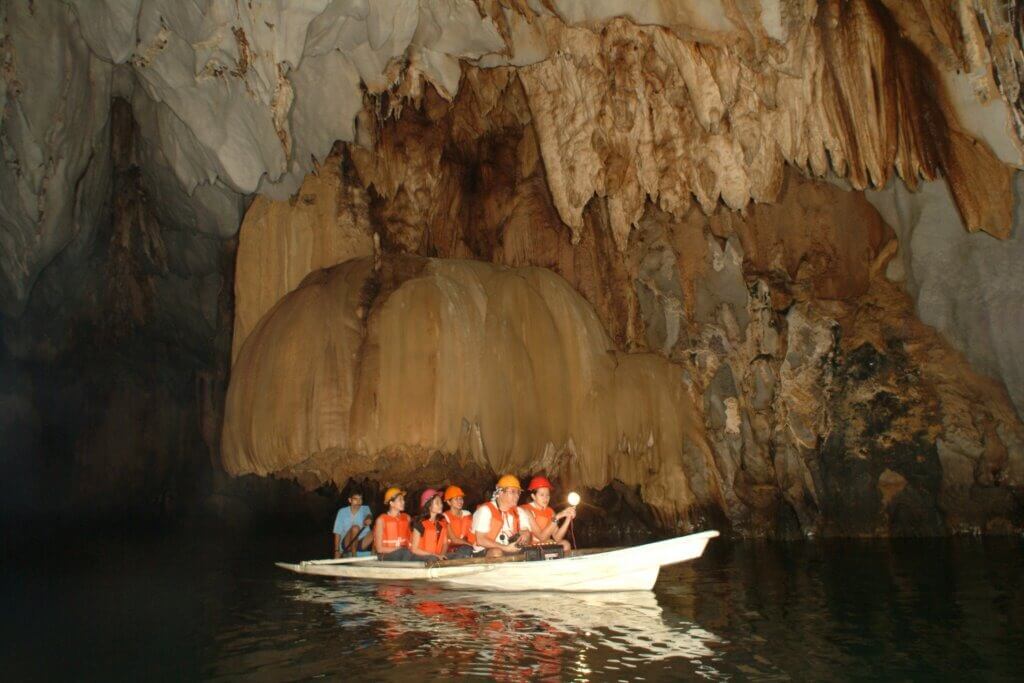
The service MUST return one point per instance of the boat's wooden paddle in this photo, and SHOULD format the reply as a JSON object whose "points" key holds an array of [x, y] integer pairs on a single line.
{"points": [[343, 560], [469, 561], [518, 557], [580, 552]]}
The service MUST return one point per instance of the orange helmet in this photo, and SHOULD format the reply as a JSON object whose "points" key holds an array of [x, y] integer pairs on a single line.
{"points": [[453, 492], [392, 493], [509, 481], [539, 482]]}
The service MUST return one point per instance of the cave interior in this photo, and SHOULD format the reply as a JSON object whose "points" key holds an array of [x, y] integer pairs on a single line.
{"points": [[754, 266]]}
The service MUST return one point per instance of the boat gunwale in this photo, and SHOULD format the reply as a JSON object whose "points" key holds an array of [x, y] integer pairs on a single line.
{"points": [[456, 568]]}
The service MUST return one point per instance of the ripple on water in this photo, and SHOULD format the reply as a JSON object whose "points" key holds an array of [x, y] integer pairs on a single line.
{"points": [[391, 628]]}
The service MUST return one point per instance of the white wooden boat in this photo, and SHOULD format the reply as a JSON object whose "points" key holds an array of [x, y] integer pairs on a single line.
{"points": [[624, 569]]}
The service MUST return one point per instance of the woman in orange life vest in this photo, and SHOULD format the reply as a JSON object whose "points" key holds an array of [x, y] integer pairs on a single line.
{"points": [[460, 525], [501, 528], [544, 523], [430, 530], [392, 530]]}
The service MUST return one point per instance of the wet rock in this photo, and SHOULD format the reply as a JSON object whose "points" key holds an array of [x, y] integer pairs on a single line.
{"points": [[763, 378], [878, 466], [658, 290], [966, 285]]}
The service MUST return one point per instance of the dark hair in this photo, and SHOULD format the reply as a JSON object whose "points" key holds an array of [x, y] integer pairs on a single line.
{"points": [[424, 515]]}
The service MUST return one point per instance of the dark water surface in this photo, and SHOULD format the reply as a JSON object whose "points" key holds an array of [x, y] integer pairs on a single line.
{"points": [[189, 607]]}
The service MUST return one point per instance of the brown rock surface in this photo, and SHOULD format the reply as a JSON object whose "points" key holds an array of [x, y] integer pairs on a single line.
{"points": [[374, 373], [280, 242], [789, 375]]}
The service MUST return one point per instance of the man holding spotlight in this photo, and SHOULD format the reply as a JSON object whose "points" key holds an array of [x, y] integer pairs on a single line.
{"points": [[545, 525]]}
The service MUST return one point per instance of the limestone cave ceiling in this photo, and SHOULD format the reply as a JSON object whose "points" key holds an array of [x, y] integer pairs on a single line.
{"points": [[633, 102], [747, 190]]}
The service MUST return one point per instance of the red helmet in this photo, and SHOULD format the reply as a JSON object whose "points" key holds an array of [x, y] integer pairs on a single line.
{"points": [[539, 482]]}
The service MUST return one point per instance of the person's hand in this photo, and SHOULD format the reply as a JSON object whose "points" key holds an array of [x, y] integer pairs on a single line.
{"points": [[368, 521], [337, 554]]}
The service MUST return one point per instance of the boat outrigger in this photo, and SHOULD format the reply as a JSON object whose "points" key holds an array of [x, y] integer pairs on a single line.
{"points": [[622, 569]]}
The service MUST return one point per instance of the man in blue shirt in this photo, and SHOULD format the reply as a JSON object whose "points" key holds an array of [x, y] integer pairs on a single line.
{"points": [[352, 527]]}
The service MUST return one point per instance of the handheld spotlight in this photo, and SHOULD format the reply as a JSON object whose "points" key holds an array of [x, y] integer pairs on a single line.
{"points": [[574, 499]]}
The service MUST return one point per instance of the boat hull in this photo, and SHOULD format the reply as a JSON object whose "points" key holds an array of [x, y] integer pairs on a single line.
{"points": [[616, 570]]}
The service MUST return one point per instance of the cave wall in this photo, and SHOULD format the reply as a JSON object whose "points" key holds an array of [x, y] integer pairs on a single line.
{"points": [[115, 372], [967, 286], [655, 156], [816, 402]]}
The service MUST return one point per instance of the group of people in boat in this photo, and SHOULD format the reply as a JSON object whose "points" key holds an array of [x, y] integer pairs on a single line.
{"points": [[498, 527]]}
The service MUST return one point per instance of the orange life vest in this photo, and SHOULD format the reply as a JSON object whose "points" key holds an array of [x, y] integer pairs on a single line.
{"points": [[433, 535], [540, 517], [462, 526], [498, 521], [396, 531]]}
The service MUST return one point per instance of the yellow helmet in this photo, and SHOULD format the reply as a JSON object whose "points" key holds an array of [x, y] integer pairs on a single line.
{"points": [[392, 493], [509, 481]]}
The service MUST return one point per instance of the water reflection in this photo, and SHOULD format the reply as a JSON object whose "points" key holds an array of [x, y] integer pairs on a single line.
{"points": [[922, 610], [210, 609], [509, 636]]}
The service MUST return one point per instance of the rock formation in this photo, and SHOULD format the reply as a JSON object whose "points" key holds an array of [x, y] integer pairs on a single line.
{"points": [[804, 398], [657, 100], [688, 185], [364, 372]]}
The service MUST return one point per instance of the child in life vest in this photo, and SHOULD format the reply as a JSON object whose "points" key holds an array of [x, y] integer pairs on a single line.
{"points": [[430, 530], [392, 531], [547, 527], [460, 525]]}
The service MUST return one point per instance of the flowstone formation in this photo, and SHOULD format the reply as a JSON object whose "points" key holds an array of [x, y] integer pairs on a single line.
{"points": [[383, 371], [763, 200]]}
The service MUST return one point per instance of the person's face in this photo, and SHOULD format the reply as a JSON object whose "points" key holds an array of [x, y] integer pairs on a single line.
{"points": [[398, 503], [355, 501], [542, 496], [510, 496], [436, 505], [456, 503]]}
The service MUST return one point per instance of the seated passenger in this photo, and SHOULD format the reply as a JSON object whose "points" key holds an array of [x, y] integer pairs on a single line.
{"points": [[430, 530], [460, 525], [352, 527], [391, 533], [544, 523], [501, 528]]}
